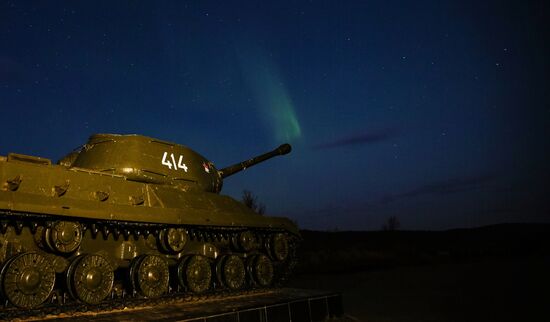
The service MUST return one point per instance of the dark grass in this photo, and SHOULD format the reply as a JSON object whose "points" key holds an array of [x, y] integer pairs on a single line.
{"points": [[497, 273], [345, 251]]}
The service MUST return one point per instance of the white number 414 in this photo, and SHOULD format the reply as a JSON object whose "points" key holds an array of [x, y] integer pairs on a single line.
{"points": [[171, 163]]}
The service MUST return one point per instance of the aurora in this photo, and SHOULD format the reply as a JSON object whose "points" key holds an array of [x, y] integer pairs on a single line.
{"points": [[275, 106]]}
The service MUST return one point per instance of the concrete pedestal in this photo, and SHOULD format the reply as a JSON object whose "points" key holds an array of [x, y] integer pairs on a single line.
{"points": [[281, 305]]}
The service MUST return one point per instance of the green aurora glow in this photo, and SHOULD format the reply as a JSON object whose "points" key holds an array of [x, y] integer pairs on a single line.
{"points": [[275, 105]]}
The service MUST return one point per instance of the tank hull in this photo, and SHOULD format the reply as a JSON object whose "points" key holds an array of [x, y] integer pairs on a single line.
{"points": [[125, 200]]}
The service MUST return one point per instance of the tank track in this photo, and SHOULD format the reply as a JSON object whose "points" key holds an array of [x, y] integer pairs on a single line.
{"points": [[130, 249]]}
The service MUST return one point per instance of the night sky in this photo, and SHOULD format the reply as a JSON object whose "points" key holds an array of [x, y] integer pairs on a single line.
{"points": [[436, 112]]}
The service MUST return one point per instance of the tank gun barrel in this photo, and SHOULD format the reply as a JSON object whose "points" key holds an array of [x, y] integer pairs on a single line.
{"points": [[281, 150]]}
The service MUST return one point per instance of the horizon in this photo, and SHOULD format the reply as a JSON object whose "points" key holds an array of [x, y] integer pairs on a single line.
{"points": [[337, 230]]}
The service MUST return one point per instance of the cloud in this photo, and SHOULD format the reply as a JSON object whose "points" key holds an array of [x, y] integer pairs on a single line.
{"points": [[449, 186], [359, 139], [371, 214]]}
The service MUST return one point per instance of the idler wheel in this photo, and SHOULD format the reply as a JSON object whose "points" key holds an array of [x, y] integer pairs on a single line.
{"points": [[195, 273], [278, 247], [27, 280], [173, 239], [64, 236], [149, 275], [231, 271], [261, 270], [90, 278]]}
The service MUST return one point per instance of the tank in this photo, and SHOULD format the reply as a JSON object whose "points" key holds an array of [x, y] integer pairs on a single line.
{"points": [[132, 217]]}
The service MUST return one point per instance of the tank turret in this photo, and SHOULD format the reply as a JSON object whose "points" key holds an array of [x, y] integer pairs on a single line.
{"points": [[144, 159]]}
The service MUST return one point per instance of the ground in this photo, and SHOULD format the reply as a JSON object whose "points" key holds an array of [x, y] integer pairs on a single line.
{"points": [[486, 289]]}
